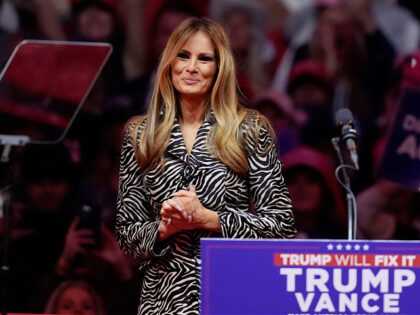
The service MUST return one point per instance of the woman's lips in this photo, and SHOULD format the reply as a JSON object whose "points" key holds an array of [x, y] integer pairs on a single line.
{"points": [[190, 80]]}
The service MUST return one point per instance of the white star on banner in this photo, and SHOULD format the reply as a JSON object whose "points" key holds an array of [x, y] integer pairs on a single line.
{"points": [[339, 247], [330, 246], [357, 247], [348, 247], [366, 247]]}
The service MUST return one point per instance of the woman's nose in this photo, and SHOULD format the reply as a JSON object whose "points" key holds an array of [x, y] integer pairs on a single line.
{"points": [[192, 65]]}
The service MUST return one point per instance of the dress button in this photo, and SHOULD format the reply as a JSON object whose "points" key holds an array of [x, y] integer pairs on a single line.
{"points": [[186, 178]]}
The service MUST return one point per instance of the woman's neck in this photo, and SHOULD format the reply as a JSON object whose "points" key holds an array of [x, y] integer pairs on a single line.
{"points": [[193, 112]]}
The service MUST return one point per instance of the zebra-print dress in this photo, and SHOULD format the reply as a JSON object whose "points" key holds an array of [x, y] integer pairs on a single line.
{"points": [[171, 282]]}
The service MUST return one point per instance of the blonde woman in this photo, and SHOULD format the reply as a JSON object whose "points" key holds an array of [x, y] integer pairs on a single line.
{"points": [[75, 297], [194, 167]]}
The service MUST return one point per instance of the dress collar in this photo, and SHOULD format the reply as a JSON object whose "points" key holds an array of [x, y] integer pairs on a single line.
{"points": [[177, 148]]}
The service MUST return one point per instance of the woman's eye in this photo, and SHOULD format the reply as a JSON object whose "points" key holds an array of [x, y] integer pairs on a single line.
{"points": [[206, 58], [182, 56]]}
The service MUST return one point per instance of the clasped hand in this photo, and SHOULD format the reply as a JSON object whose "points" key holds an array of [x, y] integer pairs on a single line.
{"points": [[182, 210]]}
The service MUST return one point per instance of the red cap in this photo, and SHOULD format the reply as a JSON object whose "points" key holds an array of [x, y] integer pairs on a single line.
{"points": [[309, 68]]}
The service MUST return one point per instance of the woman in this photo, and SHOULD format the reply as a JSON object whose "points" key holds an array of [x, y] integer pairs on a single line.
{"points": [[318, 202], [75, 297], [192, 167]]}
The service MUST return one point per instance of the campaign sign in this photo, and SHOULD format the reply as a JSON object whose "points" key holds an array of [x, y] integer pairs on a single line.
{"points": [[309, 277], [401, 160]]}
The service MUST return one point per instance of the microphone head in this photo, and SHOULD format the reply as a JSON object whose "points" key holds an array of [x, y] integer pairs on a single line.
{"points": [[343, 116]]}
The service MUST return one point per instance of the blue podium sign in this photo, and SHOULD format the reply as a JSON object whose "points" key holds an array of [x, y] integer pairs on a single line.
{"points": [[309, 277]]}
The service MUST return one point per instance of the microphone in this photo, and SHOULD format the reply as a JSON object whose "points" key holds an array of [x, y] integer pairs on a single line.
{"points": [[348, 134]]}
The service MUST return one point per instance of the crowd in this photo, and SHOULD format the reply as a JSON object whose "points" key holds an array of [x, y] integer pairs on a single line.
{"points": [[297, 63]]}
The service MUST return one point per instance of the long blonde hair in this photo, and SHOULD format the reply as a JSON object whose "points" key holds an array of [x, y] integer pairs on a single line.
{"points": [[225, 141], [54, 299]]}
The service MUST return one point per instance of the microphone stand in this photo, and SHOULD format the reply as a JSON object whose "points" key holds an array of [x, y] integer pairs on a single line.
{"points": [[7, 141], [351, 199]]}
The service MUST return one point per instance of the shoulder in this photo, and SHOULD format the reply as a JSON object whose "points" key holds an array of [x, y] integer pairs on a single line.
{"points": [[254, 121], [257, 132], [135, 126], [135, 122]]}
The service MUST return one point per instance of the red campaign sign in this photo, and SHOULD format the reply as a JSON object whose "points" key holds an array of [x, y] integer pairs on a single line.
{"points": [[346, 260]]}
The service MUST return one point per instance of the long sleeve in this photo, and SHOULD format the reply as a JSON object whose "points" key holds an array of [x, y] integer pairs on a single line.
{"points": [[270, 197], [136, 231]]}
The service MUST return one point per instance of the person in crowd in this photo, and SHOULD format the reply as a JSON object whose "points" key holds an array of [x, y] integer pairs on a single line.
{"points": [[161, 23], [42, 209], [347, 38], [124, 78], [245, 22], [99, 183], [283, 116], [75, 297], [310, 88], [100, 21], [91, 252], [58, 240], [191, 168], [318, 202], [387, 210]]}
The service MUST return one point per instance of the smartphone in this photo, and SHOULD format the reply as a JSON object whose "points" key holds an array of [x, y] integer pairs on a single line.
{"points": [[90, 219]]}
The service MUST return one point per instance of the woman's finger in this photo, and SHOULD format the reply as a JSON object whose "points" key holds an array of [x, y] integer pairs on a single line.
{"points": [[184, 193], [175, 204]]}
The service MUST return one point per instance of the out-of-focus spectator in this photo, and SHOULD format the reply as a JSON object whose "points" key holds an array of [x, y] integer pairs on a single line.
{"points": [[245, 22], [162, 20], [124, 77], [99, 183], [277, 15], [42, 210], [347, 39], [388, 211], [310, 88], [75, 297], [47, 232], [316, 197], [406, 73], [163, 17], [283, 116], [99, 259], [331, 26]]}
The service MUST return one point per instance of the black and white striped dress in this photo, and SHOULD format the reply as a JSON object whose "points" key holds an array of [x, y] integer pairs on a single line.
{"points": [[171, 283]]}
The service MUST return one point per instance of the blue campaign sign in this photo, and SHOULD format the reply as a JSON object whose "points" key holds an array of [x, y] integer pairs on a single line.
{"points": [[309, 277], [401, 159]]}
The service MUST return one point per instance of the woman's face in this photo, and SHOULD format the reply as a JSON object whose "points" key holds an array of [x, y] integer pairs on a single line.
{"points": [[238, 26], [76, 301], [95, 24], [305, 192], [164, 28], [194, 68], [47, 194]]}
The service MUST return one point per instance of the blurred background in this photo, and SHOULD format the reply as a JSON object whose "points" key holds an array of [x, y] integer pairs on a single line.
{"points": [[298, 62]]}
